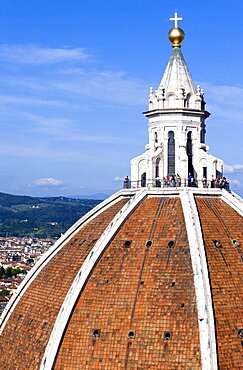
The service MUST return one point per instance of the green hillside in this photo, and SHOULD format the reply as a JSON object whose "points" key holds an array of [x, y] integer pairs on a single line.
{"points": [[40, 217]]}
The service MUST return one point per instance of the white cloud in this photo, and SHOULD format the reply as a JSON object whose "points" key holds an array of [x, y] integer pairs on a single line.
{"points": [[235, 176], [225, 102], [64, 129], [96, 85], [61, 129], [236, 182], [118, 178], [228, 169], [238, 167], [38, 102], [235, 168], [47, 122], [31, 54], [47, 181], [116, 87], [40, 151]]}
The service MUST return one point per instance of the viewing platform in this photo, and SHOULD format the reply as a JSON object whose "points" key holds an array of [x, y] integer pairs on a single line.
{"points": [[154, 183]]}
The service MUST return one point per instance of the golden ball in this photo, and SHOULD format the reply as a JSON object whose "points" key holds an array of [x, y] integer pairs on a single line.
{"points": [[176, 36]]}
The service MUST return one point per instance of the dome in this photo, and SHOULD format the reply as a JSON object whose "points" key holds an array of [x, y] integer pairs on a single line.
{"points": [[149, 279]]}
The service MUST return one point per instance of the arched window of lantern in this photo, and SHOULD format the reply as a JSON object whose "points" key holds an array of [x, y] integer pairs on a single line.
{"points": [[171, 153], [171, 98], [187, 101], [189, 152], [157, 165]]}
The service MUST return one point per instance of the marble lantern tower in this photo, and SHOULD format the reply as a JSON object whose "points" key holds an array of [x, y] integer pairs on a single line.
{"points": [[176, 125]]}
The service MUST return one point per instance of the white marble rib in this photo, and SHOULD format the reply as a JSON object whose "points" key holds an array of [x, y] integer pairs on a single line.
{"points": [[201, 282]]}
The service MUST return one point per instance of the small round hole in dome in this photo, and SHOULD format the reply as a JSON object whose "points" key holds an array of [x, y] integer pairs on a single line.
{"points": [[148, 243], [96, 333], [240, 333], [217, 243], [127, 244], [171, 244], [236, 243], [167, 335], [131, 334]]}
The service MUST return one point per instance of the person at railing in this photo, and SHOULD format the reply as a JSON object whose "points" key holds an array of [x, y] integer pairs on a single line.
{"points": [[223, 183], [217, 182], [190, 180], [178, 180], [158, 182], [164, 182], [220, 183], [226, 184], [213, 183], [126, 182], [204, 182], [172, 181]]}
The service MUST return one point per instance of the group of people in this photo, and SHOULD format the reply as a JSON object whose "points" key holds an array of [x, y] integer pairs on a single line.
{"points": [[175, 181], [169, 181], [221, 183]]}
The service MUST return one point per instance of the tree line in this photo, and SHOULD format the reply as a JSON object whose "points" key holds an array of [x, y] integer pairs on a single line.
{"points": [[10, 272]]}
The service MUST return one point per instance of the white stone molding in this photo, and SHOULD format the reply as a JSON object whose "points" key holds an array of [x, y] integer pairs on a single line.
{"points": [[201, 281], [45, 259], [233, 200], [236, 196], [82, 277]]}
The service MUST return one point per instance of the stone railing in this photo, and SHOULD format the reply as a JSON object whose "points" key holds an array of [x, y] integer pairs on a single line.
{"points": [[153, 183]]}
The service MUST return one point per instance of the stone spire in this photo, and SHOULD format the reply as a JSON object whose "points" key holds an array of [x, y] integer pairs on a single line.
{"points": [[177, 79], [176, 89]]}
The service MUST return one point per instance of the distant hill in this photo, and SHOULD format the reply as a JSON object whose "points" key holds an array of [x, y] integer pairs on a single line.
{"points": [[40, 217], [98, 196]]}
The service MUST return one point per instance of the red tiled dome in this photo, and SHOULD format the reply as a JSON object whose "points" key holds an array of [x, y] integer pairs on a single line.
{"points": [[149, 279]]}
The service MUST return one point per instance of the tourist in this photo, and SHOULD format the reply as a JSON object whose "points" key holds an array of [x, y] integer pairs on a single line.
{"points": [[204, 182], [126, 182], [217, 182], [226, 184], [172, 181], [213, 183], [178, 180], [167, 181], [157, 182], [190, 180]]}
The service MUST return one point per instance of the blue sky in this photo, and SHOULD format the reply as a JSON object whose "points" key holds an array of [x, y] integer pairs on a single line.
{"points": [[74, 81]]}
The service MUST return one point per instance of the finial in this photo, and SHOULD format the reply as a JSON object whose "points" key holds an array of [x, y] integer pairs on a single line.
{"points": [[176, 34], [176, 19]]}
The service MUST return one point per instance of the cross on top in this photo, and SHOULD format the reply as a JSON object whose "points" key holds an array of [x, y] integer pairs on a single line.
{"points": [[176, 19]]}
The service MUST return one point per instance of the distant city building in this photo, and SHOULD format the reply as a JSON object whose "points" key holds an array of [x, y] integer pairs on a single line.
{"points": [[18, 253]]}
